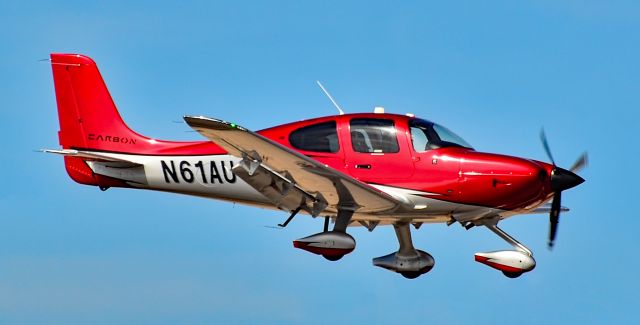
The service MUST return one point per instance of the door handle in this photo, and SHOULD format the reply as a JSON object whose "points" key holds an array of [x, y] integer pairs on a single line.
{"points": [[367, 166]]}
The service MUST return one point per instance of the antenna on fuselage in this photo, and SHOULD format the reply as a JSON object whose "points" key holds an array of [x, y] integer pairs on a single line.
{"points": [[330, 98]]}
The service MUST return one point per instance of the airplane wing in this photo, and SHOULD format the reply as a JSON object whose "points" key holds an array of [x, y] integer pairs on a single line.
{"points": [[279, 172]]}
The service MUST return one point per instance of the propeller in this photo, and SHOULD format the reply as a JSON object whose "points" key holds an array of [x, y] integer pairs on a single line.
{"points": [[561, 179], [582, 162]]}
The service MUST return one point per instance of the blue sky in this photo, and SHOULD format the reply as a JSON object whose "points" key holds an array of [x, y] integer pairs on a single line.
{"points": [[494, 72]]}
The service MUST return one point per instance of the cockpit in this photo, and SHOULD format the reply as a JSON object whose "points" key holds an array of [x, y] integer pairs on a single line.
{"points": [[368, 134], [427, 135]]}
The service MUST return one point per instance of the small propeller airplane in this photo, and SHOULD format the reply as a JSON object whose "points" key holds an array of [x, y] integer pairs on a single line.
{"points": [[365, 169]]}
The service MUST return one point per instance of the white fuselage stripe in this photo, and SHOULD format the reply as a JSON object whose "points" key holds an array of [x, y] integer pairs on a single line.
{"points": [[211, 176]]}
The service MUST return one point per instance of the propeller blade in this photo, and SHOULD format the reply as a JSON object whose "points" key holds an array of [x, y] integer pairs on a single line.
{"points": [[582, 162], [554, 217], [545, 144], [561, 179]]}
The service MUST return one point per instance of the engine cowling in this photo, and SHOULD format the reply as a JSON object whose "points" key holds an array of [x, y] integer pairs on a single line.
{"points": [[511, 263], [330, 244]]}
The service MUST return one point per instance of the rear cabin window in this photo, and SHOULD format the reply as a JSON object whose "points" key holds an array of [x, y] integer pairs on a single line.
{"points": [[321, 137], [373, 136]]}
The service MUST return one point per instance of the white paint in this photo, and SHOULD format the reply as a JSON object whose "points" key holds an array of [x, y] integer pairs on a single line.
{"points": [[152, 173]]}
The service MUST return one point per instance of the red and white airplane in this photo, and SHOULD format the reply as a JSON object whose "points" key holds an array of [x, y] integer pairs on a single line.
{"points": [[364, 169]]}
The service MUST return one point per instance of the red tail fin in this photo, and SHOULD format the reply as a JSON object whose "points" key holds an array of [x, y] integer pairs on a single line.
{"points": [[88, 117], [90, 120]]}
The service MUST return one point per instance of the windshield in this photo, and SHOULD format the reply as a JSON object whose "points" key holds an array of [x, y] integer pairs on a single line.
{"points": [[427, 135]]}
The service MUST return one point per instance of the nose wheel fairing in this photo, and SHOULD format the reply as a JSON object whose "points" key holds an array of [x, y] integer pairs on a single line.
{"points": [[509, 262], [512, 263]]}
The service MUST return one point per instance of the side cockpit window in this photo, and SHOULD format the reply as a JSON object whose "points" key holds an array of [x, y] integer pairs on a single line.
{"points": [[419, 139], [321, 137], [373, 136]]}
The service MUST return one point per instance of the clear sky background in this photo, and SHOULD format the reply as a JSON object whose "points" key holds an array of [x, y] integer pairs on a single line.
{"points": [[494, 72]]}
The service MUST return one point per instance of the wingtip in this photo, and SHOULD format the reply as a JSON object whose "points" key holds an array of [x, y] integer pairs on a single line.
{"points": [[188, 118], [210, 123], [195, 119]]}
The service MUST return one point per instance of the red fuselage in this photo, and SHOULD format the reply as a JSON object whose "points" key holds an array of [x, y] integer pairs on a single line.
{"points": [[454, 174]]}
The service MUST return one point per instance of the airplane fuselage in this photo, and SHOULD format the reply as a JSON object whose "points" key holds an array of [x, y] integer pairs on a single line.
{"points": [[439, 183]]}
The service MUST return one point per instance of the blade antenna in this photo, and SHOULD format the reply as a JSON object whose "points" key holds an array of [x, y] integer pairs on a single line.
{"points": [[330, 98]]}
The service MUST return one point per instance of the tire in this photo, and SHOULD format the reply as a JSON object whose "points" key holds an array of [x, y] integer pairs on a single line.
{"points": [[512, 275], [411, 274], [332, 258]]}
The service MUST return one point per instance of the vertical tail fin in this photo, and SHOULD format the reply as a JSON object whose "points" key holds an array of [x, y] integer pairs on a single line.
{"points": [[89, 120], [88, 117]]}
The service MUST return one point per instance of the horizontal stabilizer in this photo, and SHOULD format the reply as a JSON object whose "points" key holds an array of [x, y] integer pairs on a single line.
{"points": [[88, 155]]}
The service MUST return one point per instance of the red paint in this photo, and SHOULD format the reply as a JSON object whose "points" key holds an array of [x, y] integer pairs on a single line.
{"points": [[452, 174], [497, 266], [78, 170], [502, 181], [89, 120]]}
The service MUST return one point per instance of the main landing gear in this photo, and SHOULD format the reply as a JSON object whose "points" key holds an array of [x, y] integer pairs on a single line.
{"points": [[332, 245], [408, 261]]}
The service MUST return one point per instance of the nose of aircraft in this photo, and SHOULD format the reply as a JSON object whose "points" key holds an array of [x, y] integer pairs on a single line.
{"points": [[562, 179], [501, 181]]}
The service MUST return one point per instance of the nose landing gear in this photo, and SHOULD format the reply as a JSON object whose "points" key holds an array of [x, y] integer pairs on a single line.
{"points": [[512, 263]]}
